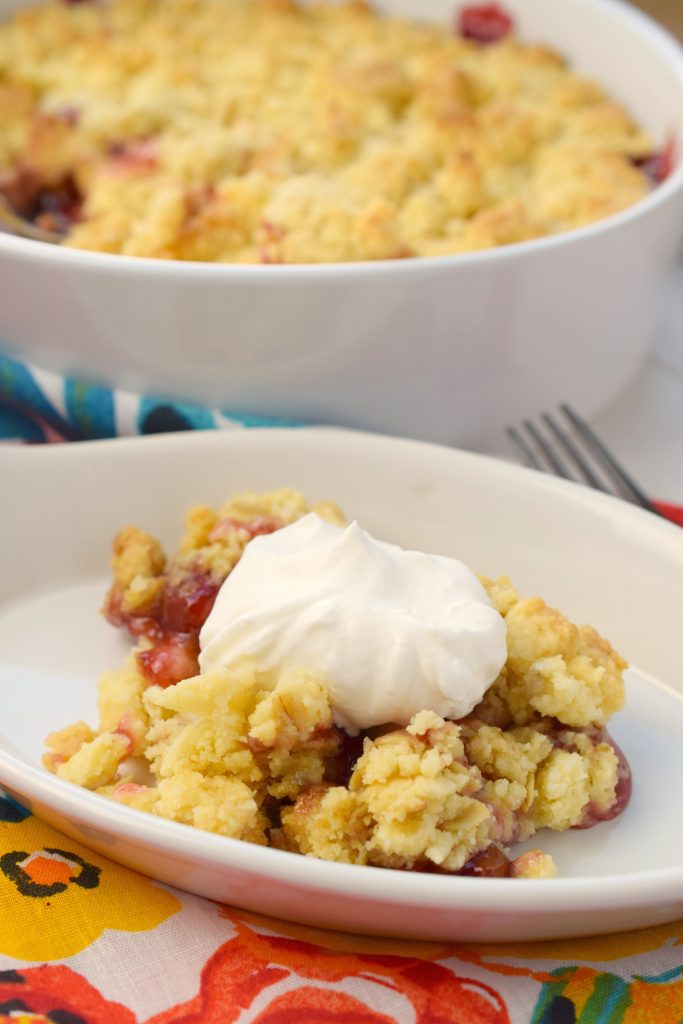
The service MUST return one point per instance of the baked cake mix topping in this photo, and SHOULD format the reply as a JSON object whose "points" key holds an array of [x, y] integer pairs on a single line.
{"points": [[257, 753], [264, 131]]}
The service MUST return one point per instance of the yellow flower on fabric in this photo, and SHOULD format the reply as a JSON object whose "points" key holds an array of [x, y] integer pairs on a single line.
{"points": [[57, 897]]}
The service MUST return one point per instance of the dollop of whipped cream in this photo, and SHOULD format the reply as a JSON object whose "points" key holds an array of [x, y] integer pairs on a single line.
{"points": [[391, 632]]}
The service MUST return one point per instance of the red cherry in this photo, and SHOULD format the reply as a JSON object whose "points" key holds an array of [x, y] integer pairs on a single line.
{"points": [[484, 23], [658, 166], [174, 658], [490, 863], [187, 604]]}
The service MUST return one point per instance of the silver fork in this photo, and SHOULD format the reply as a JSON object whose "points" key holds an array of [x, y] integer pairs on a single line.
{"points": [[570, 449]]}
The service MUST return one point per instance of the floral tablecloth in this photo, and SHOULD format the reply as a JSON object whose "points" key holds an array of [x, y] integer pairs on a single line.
{"points": [[85, 941]]}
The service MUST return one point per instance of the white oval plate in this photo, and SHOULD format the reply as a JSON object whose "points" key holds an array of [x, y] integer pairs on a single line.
{"points": [[597, 559]]}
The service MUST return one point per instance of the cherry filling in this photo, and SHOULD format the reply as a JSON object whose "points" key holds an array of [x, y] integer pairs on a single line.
{"points": [[187, 604], [658, 166], [592, 815], [428, 867], [134, 154], [339, 769], [20, 188], [172, 622], [188, 595], [55, 207], [173, 658], [183, 607], [183, 610], [484, 23], [490, 863]]}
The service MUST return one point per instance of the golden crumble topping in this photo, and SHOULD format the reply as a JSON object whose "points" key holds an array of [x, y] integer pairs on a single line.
{"points": [[412, 799], [264, 131], [554, 668], [223, 752]]}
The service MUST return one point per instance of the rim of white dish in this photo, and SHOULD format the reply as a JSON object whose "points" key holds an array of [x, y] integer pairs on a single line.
{"points": [[326, 434], [630, 889], [581, 494], [633, 515], [656, 35]]}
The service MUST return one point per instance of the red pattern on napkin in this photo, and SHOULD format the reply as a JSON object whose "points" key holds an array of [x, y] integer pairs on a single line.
{"points": [[672, 512]]}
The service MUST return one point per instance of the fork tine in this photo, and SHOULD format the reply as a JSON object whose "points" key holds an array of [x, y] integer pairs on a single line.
{"points": [[527, 453], [624, 482], [557, 466], [584, 467]]}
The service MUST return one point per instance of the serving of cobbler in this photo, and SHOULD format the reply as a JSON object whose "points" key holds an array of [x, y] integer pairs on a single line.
{"points": [[265, 131], [262, 757]]}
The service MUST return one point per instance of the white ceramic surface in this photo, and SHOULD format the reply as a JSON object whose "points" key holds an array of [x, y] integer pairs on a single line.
{"points": [[645, 424], [448, 349], [598, 559]]}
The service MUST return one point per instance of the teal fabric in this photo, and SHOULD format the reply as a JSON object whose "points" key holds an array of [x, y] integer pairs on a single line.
{"points": [[40, 405]]}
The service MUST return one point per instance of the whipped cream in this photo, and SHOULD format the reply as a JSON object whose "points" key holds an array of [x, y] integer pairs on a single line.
{"points": [[391, 632]]}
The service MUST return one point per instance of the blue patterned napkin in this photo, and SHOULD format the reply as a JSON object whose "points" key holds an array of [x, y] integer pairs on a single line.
{"points": [[38, 405]]}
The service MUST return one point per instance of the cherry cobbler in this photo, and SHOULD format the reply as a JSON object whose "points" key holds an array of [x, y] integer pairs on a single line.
{"points": [[262, 757], [264, 131]]}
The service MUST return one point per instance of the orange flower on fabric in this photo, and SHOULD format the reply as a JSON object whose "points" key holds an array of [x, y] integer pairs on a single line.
{"points": [[43, 995], [248, 965], [57, 897]]}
